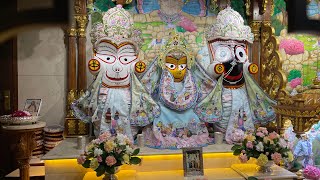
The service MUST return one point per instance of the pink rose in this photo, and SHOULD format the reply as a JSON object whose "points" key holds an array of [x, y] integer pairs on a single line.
{"points": [[276, 157], [295, 82], [110, 161], [260, 134], [99, 158], [81, 159], [249, 145], [243, 158], [273, 135], [104, 136]]}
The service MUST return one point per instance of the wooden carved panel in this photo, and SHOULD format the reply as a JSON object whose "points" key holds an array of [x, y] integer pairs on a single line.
{"points": [[273, 80]]}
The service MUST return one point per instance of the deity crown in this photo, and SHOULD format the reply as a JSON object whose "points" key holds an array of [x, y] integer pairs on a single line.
{"points": [[229, 26], [117, 24], [176, 43]]}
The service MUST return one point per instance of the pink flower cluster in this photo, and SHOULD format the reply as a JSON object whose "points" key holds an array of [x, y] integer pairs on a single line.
{"points": [[292, 46], [243, 158], [276, 157], [295, 82], [273, 135], [262, 132], [249, 145], [21, 114], [237, 136], [110, 160], [311, 172], [81, 159]]}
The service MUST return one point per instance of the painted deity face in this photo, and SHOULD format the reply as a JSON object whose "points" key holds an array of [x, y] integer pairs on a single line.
{"points": [[117, 60], [232, 54], [177, 67]]}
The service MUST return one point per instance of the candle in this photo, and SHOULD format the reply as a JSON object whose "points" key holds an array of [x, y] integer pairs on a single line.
{"points": [[218, 137], [81, 141], [140, 140]]}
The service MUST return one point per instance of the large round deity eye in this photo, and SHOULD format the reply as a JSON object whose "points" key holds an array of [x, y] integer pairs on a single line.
{"points": [[182, 66], [241, 54], [170, 66], [222, 54], [127, 59], [107, 58]]}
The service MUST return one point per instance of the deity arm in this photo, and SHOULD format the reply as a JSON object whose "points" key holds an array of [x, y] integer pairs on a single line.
{"points": [[204, 81]]}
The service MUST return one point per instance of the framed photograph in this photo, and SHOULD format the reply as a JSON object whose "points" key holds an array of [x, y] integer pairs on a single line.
{"points": [[33, 106], [192, 161]]}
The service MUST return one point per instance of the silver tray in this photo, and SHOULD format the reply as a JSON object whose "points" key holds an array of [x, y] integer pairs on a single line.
{"points": [[9, 120]]}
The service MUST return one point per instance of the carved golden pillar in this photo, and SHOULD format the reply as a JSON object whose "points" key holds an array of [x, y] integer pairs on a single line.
{"points": [[72, 69], [82, 20], [76, 71], [273, 79], [82, 65], [258, 12], [255, 49]]}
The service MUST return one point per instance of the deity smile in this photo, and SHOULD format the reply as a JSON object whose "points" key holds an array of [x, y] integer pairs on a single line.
{"points": [[234, 78], [117, 79]]}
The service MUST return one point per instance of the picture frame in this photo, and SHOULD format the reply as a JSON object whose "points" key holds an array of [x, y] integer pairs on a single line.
{"points": [[192, 161], [33, 106]]}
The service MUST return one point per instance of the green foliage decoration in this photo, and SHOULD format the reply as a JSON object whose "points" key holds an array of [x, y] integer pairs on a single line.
{"points": [[294, 73]]}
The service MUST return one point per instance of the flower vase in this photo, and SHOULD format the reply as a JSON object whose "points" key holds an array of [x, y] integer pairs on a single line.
{"points": [[266, 168], [108, 176]]}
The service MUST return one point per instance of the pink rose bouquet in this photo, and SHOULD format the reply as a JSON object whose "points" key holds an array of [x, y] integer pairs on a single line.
{"points": [[263, 146], [106, 153]]}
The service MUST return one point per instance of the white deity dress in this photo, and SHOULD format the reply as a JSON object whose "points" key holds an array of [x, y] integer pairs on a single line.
{"points": [[243, 102], [107, 101]]}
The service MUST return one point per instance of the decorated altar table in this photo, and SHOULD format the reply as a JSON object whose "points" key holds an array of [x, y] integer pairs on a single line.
{"points": [[61, 163]]}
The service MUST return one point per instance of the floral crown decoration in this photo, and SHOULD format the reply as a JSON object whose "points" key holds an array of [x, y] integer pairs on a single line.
{"points": [[117, 26], [229, 26], [175, 44]]}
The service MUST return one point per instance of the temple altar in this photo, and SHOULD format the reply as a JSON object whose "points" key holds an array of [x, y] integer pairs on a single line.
{"points": [[175, 77], [219, 163]]}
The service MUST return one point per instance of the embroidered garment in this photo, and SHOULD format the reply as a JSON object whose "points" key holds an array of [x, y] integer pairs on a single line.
{"points": [[242, 102], [107, 101], [303, 152], [178, 125]]}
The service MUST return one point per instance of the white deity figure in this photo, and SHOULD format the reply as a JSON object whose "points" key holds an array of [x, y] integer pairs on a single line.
{"points": [[107, 101], [242, 101]]}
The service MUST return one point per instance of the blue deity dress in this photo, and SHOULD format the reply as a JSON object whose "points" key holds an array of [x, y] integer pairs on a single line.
{"points": [[176, 87]]}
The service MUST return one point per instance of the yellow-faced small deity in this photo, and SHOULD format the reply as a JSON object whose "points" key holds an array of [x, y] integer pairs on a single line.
{"points": [[177, 67]]}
